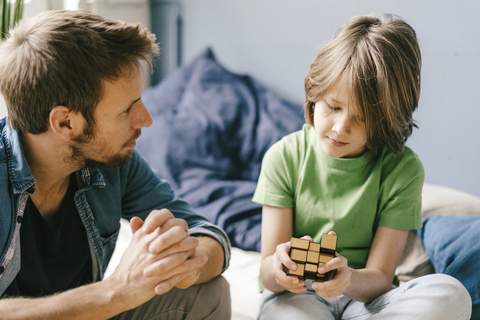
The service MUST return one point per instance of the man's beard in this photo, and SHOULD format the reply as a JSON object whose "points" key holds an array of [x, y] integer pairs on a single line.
{"points": [[80, 153]]}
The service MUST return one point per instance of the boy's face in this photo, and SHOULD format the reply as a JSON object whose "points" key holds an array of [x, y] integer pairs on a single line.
{"points": [[341, 132], [119, 117]]}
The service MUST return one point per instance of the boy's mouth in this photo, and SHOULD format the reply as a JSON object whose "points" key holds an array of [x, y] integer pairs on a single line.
{"points": [[337, 143]]}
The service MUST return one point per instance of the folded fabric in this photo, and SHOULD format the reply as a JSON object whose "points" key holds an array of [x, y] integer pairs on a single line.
{"points": [[211, 129], [453, 245]]}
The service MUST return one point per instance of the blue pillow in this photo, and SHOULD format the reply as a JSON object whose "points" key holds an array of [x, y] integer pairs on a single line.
{"points": [[211, 129], [453, 245]]}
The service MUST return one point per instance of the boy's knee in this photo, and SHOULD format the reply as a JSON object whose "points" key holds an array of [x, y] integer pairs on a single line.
{"points": [[458, 292], [455, 297]]}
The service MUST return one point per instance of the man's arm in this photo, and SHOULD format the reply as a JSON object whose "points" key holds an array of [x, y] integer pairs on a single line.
{"points": [[95, 301], [127, 287], [214, 251], [146, 191], [208, 250]]}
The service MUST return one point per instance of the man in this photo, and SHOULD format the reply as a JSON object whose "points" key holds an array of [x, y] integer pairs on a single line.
{"points": [[72, 82]]}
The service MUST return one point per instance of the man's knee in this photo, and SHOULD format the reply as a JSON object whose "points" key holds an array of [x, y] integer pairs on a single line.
{"points": [[213, 301], [210, 301]]}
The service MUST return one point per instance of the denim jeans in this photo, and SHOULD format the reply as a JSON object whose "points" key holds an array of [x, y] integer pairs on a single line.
{"points": [[435, 297]]}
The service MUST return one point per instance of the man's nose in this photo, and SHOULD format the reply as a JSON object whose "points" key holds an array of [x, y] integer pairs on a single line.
{"points": [[143, 118]]}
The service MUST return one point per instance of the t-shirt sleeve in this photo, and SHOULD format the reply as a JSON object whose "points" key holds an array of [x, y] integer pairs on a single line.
{"points": [[401, 201], [275, 183]]}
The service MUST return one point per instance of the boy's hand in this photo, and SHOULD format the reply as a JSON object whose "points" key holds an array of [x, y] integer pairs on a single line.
{"points": [[281, 259], [337, 285]]}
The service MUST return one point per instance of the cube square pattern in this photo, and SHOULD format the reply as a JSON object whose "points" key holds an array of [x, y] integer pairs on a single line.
{"points": [[310, 255]]}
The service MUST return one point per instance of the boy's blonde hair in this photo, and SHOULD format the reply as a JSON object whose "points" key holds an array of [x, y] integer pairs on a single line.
{"points": [[61, 58], [379, 61]]}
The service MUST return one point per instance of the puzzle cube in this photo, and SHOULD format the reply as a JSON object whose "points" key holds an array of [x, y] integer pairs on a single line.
{"points": [[310, 255]]}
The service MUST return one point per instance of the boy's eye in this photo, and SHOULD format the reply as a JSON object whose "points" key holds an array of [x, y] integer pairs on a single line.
{"points": [[332, 107]]}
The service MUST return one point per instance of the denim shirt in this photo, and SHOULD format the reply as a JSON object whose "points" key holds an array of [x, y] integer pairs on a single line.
{"points": [[103, 197]]}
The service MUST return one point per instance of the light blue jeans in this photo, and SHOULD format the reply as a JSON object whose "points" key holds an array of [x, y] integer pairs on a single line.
{"points": [[435, 297]]}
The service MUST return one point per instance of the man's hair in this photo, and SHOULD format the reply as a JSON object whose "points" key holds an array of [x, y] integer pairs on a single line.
{"points": [[379, 61], [61, 58]]}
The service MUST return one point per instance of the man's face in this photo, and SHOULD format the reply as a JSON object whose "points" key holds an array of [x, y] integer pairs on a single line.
{"points": [[119, 117]]}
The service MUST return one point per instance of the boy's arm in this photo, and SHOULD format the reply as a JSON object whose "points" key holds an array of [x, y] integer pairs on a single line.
{"points": [[277, 226], [377, 277]]}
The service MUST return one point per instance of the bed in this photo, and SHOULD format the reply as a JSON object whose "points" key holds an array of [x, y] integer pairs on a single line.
{"points": [[211, 129]]}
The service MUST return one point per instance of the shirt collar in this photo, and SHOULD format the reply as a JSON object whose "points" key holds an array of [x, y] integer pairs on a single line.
{"points": [[90, 176], [18, 170]]}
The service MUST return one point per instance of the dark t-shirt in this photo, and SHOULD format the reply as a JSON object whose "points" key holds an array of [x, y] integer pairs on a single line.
{"points": [[52, 259]]}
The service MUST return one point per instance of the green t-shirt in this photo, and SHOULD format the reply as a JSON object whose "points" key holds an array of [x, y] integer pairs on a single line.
{"points": [[349, 196]]}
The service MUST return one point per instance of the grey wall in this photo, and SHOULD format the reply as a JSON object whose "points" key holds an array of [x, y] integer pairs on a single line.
{"points": [[275, 41]]}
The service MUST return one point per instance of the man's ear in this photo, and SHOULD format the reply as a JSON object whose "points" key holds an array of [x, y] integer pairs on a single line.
{"points": [[65, 123]]}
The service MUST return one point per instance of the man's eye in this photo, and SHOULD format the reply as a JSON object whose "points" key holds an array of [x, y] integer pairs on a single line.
{"points": [[128, 110]]}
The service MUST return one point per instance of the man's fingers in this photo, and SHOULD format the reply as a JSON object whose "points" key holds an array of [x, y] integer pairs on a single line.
{"points": [[189, 244], [167, 285], [165, 265], [174, 222], [156, 219], [167, 239], [173, 264], [179, 273], [135, 224]]}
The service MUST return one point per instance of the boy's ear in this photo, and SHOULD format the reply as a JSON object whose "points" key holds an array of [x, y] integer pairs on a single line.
{"points": [[65, 123]]}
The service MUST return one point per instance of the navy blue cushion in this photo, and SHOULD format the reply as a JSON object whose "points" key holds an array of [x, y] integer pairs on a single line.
{"points": [[211, 129], [453, 245]]}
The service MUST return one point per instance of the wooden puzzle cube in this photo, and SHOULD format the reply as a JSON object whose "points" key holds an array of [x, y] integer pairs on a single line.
{"points": [[310, 255]]}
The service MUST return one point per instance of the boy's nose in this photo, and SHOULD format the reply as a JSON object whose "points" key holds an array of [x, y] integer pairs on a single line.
{"points": [[341, 125]]}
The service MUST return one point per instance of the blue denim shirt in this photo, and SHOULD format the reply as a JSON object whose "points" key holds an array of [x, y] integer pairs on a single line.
{"points": [[103, 197]]}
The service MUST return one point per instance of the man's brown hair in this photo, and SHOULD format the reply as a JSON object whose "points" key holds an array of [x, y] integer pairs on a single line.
{"points": [[379, 60], [61, 58]]}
